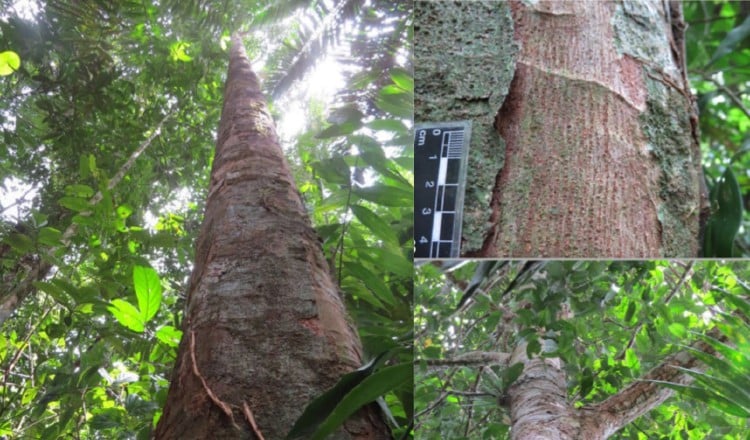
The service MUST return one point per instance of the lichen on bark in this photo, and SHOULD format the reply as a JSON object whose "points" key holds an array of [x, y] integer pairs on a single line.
{"points": [[464, 65], [664, 125]]}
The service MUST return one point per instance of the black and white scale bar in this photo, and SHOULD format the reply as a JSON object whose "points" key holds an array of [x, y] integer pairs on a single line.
{"points": [[440, 154]]}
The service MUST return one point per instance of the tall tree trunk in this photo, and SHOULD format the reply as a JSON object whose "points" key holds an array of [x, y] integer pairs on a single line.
{"points": [[265, 328], [584, 139]]}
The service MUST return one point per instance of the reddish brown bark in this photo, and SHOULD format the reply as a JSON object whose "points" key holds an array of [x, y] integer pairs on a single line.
{"points": [[581, 176], [265, 328]]}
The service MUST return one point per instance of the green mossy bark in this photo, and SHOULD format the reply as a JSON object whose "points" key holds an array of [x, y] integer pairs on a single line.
{"points": [[464, 65]]}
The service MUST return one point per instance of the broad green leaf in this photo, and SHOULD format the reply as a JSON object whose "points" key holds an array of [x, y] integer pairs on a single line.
{"points": [[629, 312], [372, 387], [178, 53], [533, 347], [388, 261], [75, 203], [371, 281], [147, 290], [84, 220], [9, 62], [393, 125], [702, 395], [402, 78], [723, 225], [83, 191], [169, 335], [678, 329], [127, 315], [124, 211], [343, 115], [510, 374], [54, 291], [319, 409], [333, 170], [20, 242], [50, 236], [733, 38], [396, 102], [386, 195], [631, 360], [339, 129], [359, 292], [373, 222]]}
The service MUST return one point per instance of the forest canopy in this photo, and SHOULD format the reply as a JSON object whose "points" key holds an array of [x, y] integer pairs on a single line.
{"points": [[610, 324]]}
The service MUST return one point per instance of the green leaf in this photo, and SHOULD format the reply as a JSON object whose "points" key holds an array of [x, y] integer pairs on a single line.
{"points": [[372, 281], [512, 373], [127, 315], [629, 312], [124, 211], [386, 195], [723, 225], [54, 291], [169, 335], [393, 125], [333, 170], [177, 51], [50, 236], [712, 399], [319, 409], [75, 203], [339, 129], [373, 222], [396, 102], [342, 115], [83, 191], [20, 242], [9, 62], [367, 391], [587, 382], [678, 329], [147, 290], [402, 78], [733, 38], [389, 261], [533, 347]]}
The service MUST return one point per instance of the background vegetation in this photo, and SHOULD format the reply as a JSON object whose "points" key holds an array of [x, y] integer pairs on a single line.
{"points": [[718, 54], [627, 317]]}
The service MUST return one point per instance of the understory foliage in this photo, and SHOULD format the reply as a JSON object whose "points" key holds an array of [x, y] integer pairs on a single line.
{"points": [[621, 319], [718, 56], [109, 126]]}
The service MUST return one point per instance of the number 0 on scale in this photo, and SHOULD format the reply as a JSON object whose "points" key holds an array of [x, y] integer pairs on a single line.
{"points": [[440, 155]]}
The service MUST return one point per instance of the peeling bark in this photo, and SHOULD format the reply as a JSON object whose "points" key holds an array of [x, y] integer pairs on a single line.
{"points": [[265, 328]]}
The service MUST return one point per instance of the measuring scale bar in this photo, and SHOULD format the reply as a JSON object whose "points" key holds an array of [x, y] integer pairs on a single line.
{"points": [[441, 151]]}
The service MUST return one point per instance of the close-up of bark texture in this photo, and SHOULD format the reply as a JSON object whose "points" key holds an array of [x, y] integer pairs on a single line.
{"points": [[587, 140]]}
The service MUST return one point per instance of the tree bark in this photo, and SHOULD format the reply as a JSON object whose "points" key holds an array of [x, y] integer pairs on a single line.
{"points": [[596, 151], [265, 328], [539, 404]]}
